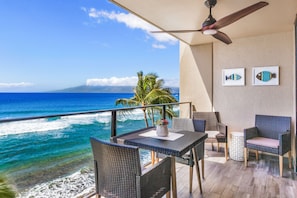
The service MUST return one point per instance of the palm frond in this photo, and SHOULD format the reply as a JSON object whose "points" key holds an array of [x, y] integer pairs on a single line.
{"points": [[150, 90]]}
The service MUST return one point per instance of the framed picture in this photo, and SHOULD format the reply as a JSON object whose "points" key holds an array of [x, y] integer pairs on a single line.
{"points": [[266, 75], [233, 77]]}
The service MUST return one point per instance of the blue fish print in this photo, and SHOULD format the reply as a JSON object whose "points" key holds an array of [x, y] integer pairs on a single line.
{"points": [[265, 76], [233, 77]]}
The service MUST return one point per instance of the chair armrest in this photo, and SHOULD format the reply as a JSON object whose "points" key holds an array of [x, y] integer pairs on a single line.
{"points": [[284, 142], [155, 179], [250, 133]]}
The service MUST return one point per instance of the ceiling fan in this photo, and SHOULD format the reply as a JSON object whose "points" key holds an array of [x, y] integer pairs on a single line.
{"points": [[211, 27]]}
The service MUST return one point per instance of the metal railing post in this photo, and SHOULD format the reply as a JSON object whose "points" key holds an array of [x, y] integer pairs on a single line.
{"points": [[190, 109], [113, 123]]}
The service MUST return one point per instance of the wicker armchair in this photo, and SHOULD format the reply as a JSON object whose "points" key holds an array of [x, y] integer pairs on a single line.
{"points": [[271, 134], [118, 172], [188, 158], [217, 131]]}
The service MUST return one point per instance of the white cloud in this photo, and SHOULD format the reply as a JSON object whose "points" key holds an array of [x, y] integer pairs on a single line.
{"points": [[171, 82], [19, 84], [125, 81], [159, 46], [113, 81], [131, 21]]}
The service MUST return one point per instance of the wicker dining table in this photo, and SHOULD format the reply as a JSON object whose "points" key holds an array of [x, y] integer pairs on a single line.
{"points": [[178, 143]]}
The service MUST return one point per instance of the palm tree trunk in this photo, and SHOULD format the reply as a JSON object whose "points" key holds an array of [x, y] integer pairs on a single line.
{"points": [[153, 119], [145, 117]]}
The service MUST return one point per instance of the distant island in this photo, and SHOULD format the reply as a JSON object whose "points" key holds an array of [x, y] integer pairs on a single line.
{"points": [[104, 89]]}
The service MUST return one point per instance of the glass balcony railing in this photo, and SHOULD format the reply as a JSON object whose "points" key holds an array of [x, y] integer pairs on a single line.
{"points": [[52, 154]]}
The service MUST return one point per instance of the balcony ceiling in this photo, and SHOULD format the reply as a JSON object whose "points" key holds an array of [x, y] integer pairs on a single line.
{"points": [[278, 16]]}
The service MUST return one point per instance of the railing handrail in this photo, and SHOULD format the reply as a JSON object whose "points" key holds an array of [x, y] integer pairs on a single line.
{"points": [[87, 112]]}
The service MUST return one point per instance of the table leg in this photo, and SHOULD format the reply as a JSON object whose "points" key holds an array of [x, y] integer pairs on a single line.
{"points": [[173, 177], [153, 157], [197, 169]]}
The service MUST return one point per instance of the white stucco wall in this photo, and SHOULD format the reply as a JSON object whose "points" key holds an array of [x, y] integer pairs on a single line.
{"points": [[238, 104], [201, 78]]}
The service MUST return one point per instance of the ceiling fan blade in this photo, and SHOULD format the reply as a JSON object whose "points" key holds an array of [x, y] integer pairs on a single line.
{"points": [[238, 15], [222, 37], [175, 31]]}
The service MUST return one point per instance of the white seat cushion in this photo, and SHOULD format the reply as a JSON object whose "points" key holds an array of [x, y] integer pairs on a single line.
{"points": [[261, 141], [212, 134]]}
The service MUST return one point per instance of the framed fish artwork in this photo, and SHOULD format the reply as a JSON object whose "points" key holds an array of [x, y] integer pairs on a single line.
{"points": [[233, 77], [266, 75]]}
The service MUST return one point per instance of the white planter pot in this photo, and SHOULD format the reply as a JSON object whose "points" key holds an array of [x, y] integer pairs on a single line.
{"points": [[162, 130]]}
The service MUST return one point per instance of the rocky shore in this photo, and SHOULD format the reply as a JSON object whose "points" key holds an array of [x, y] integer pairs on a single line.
{"points": [[77, 185]]}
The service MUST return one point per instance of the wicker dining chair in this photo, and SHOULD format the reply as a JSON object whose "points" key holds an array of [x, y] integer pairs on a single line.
{"points": [[188, 158], [118, 172], [217, 131]]}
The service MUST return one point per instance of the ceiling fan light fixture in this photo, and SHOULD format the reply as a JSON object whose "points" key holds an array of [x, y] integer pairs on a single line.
{"points": [[210, 32]]}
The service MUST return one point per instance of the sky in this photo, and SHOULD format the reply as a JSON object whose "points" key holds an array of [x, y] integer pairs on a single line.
{"points": [[48, 45]]}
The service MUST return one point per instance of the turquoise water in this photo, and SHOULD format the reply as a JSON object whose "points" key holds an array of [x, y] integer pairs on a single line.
{"points": [[37, 151]]}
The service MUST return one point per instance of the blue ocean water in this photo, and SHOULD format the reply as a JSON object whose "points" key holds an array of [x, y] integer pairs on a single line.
{"points": [[38, 151]]}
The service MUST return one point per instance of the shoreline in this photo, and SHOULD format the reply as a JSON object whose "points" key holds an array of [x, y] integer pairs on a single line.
{"points": [[80, 184], [77, 185]]}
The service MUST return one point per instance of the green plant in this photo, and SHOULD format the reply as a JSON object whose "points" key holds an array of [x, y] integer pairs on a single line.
{"points": [[148, 91], [162, 122]]}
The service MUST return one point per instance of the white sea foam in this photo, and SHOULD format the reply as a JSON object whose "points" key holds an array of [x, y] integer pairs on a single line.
{"points": [[39, 125], [136, 114], [85, 119], [43, 125]]}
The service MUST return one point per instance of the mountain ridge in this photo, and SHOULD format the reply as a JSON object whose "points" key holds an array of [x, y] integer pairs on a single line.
{"points": [[104, 89]]}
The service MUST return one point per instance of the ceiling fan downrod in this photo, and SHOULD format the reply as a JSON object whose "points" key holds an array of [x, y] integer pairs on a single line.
{"points": [[210, 20]]}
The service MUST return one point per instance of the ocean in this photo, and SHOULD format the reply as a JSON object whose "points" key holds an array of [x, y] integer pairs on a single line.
{"points": [[35, 153]]}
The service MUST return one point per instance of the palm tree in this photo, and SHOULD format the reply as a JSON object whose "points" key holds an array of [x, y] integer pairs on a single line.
{"points": [[6, 190], [149, 90]]}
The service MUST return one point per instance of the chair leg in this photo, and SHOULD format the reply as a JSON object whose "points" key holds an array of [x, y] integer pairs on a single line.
{"points": [[212, 148], [153, 157], [218, 146], [226, 151], [191, 178], [290, 160], [245, 156], [157, 160], [168, 194], [202, 167], [257, 155], [197, 170], [280, 165]]}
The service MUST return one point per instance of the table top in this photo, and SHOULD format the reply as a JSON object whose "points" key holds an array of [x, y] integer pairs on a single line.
{"points": [[177, 147]]}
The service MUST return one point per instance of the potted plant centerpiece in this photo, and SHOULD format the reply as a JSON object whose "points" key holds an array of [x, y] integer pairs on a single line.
{"points": [[162, 128]]}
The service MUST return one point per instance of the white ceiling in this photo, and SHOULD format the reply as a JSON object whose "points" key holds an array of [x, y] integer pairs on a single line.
{"points": [[278, 16]]}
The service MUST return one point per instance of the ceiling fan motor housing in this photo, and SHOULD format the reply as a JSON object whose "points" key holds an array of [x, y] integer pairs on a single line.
{"points": [[209, 21]]}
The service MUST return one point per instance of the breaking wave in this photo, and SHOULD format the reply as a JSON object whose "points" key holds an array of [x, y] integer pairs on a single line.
{"points": [[43, 125]]}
